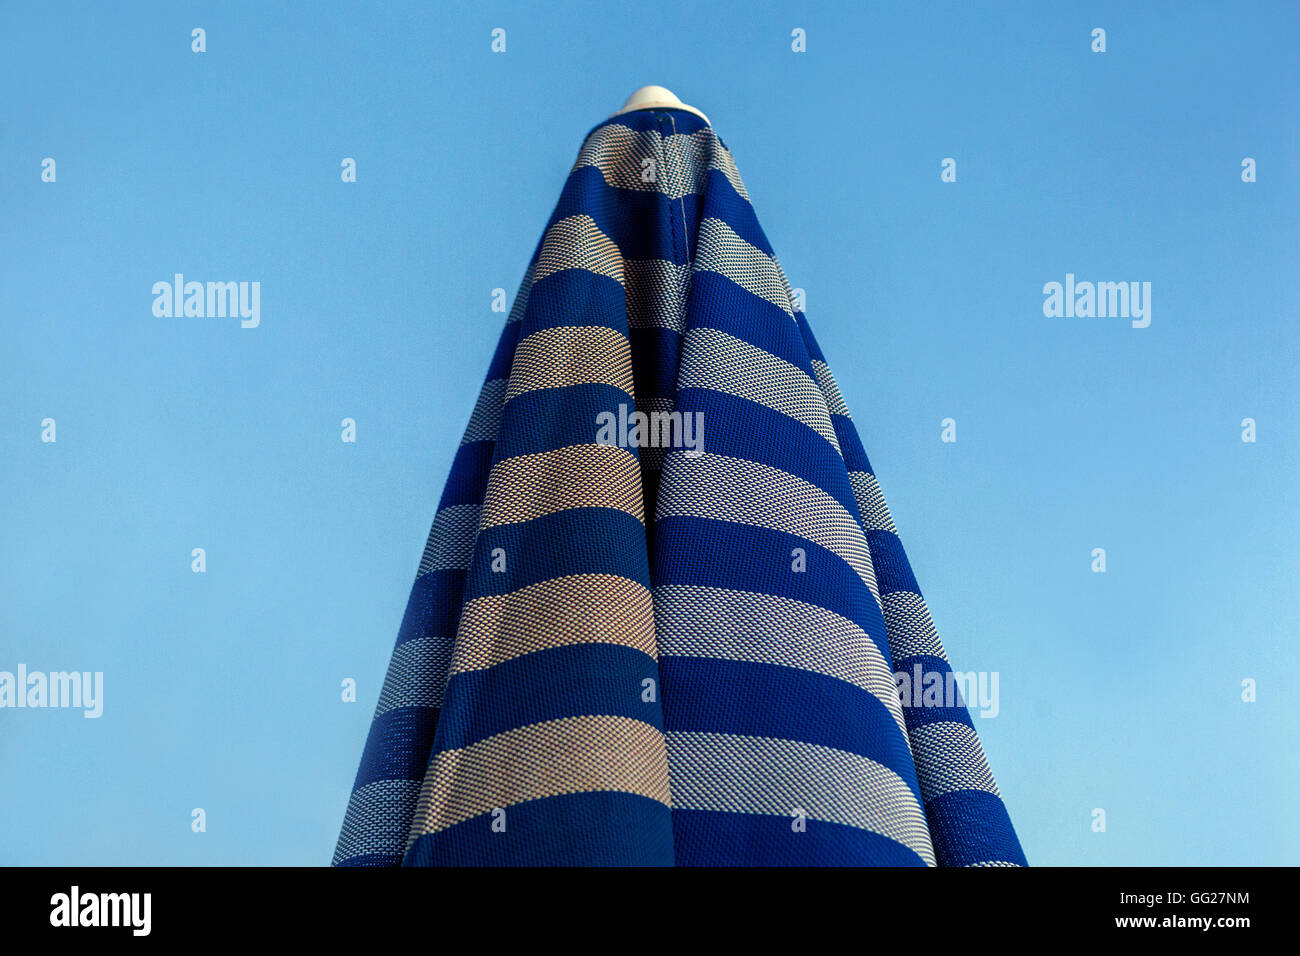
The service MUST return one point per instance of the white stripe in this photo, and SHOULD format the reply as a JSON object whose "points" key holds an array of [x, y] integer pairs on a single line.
{"points": [[720, 250], [741, 774], [715, 360], [377, 820], [693, 621], [451, 539], [732, 489], [949, 758], [417, 674], [486, 420]]}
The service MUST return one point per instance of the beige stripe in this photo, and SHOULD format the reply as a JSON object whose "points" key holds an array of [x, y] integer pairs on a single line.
{"points": [[417, 674], [725, 163], [737, 774], [731, 489], [579, 609], [376, 819], [652, 456], [521, 298], [576, 242], [692, 621], [485, 421], [450, 544], [638, 159], [577, 476], [571, 355], [715, 360], [571, 755], [681, 161], [719, 249], [834, 400], [949, 757], [871, 502], [911, 629], [785, 284], [656, 293]]}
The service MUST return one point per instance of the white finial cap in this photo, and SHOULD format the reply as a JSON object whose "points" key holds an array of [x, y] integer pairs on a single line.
{"points": [[657, 97]]}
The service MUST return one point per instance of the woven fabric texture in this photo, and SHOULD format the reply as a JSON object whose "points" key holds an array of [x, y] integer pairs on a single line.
{"points": [[662, 605]]}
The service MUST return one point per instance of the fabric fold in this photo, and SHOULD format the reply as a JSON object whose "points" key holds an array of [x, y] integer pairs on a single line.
{"points": [[662, 603]]}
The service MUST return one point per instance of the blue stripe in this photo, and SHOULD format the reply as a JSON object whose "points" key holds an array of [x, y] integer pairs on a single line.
{"points": [[712, 838], [433, 607], [505, 352], [622, 214], [893, 572], [919, 715], [809, 340], [723, 202], [755, 432], [570, 681], [829, 582], [604, 828], [575, 541], [398, 746], [855, 456], [745, 316], [709, 695], [972, 826], [575, 297], [468, 477], [548, 418]]}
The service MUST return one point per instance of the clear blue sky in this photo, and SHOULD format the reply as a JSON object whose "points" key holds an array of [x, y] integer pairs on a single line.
{"points": [[222, 690]]}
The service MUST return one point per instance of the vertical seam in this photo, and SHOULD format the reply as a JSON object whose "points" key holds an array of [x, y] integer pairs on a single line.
{"points": [[681, 200]]}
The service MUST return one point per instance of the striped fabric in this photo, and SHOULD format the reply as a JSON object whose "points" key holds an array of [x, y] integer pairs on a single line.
{"points": [[617, 652]]}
